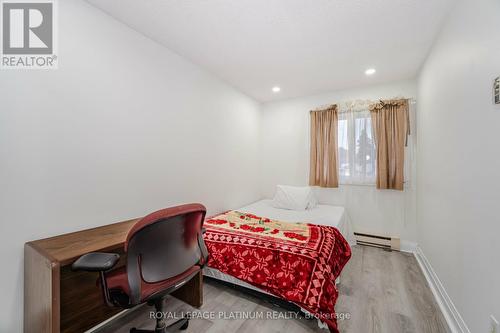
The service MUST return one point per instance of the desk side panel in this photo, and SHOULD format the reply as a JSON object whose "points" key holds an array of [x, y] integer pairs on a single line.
{"points": [[41, 292], [192, 291]]}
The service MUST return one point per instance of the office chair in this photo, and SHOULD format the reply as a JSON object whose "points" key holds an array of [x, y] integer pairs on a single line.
{"points": [[164, 250]]}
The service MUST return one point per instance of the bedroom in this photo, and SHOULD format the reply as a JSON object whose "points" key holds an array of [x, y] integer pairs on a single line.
{"points": [[265, 113]]}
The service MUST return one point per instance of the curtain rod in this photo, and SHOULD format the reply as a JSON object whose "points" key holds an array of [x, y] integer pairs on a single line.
{"points": [[361, 102]]}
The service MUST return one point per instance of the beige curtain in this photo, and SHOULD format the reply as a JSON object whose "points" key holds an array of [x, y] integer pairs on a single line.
{"points": [[391, 127], [323, 164]]}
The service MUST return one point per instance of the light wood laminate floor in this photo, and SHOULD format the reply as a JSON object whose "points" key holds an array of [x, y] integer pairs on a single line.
{"points": [[380, 291]]}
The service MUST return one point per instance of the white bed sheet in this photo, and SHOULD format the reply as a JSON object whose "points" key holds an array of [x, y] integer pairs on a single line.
{"points": [[334, 216]]}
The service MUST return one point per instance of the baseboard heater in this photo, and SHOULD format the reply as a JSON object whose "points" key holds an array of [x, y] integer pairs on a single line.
{"points": [[383, 242]]}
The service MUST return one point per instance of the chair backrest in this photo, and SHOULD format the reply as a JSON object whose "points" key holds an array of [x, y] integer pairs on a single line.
{"points": [[163, 245]]}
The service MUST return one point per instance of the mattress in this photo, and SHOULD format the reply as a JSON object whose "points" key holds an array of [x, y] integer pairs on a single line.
{"points": [[334, 216], [328, 215]]}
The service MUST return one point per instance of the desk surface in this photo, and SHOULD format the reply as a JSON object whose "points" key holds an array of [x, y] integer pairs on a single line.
{"points": [[66, 248]]}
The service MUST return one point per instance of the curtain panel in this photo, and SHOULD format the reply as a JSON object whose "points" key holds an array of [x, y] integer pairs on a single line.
{"points": [[323, 169], [391, 127]]}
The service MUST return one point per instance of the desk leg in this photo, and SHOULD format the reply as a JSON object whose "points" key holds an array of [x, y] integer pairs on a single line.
{"points": [[192, 291], [41, 292]]}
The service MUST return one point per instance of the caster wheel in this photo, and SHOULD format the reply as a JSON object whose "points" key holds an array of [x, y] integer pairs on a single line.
{"points": [[133, 330], [185, 326]]}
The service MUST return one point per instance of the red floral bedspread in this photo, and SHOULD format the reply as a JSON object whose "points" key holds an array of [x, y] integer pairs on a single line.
{"points": [[296, 261]]}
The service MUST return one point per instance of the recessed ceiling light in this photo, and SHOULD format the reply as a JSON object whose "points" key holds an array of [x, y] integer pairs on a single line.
{"points": [[276, 89], [370, 71]]}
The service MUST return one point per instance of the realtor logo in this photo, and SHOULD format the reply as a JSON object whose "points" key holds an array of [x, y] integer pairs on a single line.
{"points": [[28, 30]]}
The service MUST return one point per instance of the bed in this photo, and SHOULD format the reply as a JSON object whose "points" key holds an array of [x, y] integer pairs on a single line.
{"points": [[334, 216], [321, 215]]}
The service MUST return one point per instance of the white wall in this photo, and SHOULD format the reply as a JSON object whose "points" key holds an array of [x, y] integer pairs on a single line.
{"points": [[285, 160], [459, 160], [122, 128]]}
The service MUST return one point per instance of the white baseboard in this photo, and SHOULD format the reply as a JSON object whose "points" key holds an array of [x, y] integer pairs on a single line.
{"points": [[450, 312]]}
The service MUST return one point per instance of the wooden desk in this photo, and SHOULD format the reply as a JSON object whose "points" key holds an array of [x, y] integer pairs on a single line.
{"points": [[57, 299]]}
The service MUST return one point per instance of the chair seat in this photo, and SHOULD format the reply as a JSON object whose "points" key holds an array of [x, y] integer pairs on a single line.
{"points": [[117, 280]]}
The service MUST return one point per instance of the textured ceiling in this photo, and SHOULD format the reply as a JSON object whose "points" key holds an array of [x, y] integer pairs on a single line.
{"points": [[304, 46]]}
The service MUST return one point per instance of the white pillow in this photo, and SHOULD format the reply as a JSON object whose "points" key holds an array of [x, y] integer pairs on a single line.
{"points": [[313, 201], [294, 197]]}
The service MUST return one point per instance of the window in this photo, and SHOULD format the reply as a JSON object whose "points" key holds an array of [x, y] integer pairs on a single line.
{"points": [[357, 154]]}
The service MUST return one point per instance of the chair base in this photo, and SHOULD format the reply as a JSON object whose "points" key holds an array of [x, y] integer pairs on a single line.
{"points": [[161, 326], [180, 324]]}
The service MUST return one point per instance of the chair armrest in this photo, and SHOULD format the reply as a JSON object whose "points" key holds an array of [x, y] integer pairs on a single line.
{"points": [[203, 248], [96, 262]]}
